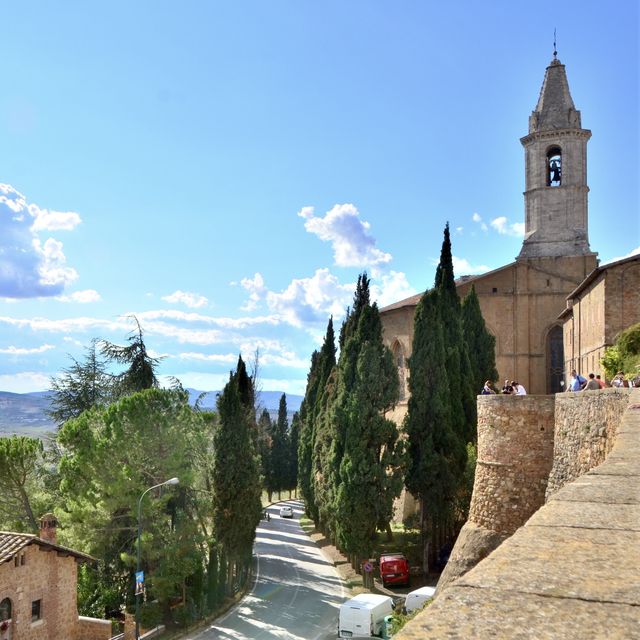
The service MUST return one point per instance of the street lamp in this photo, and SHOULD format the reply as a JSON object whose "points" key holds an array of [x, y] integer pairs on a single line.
{"points": [[137, 594]]}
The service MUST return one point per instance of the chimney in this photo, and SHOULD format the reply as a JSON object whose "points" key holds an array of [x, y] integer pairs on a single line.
{"points": [[48, 524]]}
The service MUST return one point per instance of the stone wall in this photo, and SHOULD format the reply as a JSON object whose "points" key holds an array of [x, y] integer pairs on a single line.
{"points": [[515, 450], [585, 430], [93, 629]]}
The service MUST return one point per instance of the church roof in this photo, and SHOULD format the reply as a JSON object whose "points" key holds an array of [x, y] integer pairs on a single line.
{"points": [[555, 108], [12, 543], [412, 301], [596, 272]]}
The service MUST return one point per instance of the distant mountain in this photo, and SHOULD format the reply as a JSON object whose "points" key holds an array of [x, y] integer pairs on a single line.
{"points": [[26, 413]]}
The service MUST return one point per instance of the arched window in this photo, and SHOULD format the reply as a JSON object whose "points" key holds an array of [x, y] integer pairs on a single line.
{"points": [[554, 167], [399, 359], [5, 610]]}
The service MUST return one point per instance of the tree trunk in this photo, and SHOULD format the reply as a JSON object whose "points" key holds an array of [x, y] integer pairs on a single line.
{"points": [[389, 532], [424, 526]]}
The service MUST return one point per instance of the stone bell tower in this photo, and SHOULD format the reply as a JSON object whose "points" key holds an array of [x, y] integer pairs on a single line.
{"points": [[556, 219]]}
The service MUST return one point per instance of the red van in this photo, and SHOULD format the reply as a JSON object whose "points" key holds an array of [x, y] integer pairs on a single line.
{"points": [[394, 569]]}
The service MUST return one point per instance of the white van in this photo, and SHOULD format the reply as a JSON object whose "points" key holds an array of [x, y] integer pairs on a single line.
{"points": [[416, 599], [363, 616]]}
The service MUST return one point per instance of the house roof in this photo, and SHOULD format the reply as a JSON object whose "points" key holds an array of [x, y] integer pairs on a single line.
{"points": [[597, 271], [12, 543]]}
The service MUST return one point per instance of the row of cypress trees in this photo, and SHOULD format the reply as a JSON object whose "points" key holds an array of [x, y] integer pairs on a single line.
{"points": [[353, 461]]}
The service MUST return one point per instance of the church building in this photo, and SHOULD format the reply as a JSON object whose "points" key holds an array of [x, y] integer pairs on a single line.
{"points": [[521, 302]]}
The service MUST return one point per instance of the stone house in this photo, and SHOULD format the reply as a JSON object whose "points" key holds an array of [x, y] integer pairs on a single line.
{"points": [[38, 589], [603, 305]]}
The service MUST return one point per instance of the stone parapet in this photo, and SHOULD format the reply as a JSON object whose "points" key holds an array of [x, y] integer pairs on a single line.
{"points": [[93, 629], [585, 430], [570, 572]]}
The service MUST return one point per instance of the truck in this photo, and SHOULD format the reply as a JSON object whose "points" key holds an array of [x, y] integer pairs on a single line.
{"points": [[416, 599], [364, 616]]}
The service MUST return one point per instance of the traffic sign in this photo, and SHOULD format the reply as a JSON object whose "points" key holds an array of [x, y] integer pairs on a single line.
{"points": [[368, 567]]}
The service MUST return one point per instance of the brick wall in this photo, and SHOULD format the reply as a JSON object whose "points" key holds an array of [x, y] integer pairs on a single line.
{"points": [[585, 430], [44, 576]]}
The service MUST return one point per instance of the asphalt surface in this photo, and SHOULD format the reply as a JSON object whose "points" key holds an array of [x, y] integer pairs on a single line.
{"points": [[296, 594]]}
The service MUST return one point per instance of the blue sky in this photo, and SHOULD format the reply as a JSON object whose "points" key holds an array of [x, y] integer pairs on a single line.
{"points": [[224, 170]]}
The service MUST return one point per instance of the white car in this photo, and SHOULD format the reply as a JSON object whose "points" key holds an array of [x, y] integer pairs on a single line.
{"points": [[286, 512]]}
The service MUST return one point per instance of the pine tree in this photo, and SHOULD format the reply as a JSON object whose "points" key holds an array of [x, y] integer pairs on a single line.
{"points": [[82, 386], [141, 373], [481, 345], [437, 453]]}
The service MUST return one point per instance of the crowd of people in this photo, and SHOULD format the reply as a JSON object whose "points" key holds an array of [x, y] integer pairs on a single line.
{"points": [[576, 383]]}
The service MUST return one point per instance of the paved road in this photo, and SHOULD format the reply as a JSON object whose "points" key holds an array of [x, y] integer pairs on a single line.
{"points": [[296, 594]]}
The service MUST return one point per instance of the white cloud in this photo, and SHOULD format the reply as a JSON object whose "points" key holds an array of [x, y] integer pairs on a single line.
{"points": [[191, 300], [24, 382], [255, 287], [633, 252], [46, 220], [18, 351], [81, 297], [461, 267], [230, 358], [223, 322], [311, 300], [391, 288], [502, 226], [29, 267], [353, 245], [68, 325], [477, 218]]}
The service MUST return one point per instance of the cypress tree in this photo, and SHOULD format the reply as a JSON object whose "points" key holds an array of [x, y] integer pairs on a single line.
{"points": [[294, 441], [235, 476], [322, 363], [265, 434], [481, 345], [280, 447], [437, 453], [463, 396], [368, 478]]}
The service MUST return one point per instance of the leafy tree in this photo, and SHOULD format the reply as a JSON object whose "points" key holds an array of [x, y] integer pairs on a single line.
{"points": [[369, 472], [141, 371], [82, 386], [437, 454], [481, 345], [21, 461], [235, 477], [110, 456]]}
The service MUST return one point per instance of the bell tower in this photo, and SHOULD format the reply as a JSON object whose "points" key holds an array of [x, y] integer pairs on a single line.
{"points": [[556, 218]]}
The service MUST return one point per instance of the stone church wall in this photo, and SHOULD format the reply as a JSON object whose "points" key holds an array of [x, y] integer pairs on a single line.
{"points": [[585, 430]]}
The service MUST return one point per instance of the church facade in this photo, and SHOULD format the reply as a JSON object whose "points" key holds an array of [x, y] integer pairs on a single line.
{"points": [[522, 302]]}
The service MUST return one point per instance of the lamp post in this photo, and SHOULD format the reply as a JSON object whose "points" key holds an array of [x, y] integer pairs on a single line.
{"points": [[137, 594]]}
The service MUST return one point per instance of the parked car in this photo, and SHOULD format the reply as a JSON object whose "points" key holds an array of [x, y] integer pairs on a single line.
{"points": [[394, 569], [286, 512]]}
